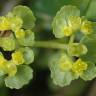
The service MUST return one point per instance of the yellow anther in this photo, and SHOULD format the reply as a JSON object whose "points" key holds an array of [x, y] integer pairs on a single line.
{"points": [[86, 27], [17, 57], [79, 66]]}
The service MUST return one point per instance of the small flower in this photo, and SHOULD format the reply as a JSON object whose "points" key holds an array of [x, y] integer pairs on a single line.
{"points": [[4, 23], [65, 63], [74, 22], [86, 27], [77, 49], [20, 33], [79, 67], [67, 31], [10, 23], [8, 44], [16, 23], [17, 58], [64, 66]]}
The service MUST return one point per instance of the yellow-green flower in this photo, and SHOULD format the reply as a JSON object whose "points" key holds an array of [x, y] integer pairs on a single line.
{"points": [[10, 23], [20, 33], [77, 49], [65, 63], [74, 22], [5, 23], [79, 67], [17, 57], [67, 31], [86, 27], [8, 44], [16, 23], [73, 25]]}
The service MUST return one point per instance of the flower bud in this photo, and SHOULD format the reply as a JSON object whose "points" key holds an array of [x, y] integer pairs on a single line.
{"points": [[86, 27], [17, 57], [76, 49]]}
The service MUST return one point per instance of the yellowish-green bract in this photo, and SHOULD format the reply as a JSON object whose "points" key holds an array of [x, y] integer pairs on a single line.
{"points": [[16, 36]]}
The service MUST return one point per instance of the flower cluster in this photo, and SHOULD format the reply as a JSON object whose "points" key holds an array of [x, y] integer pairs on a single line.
{"points": [[78, 58], [15, 38], [77, 67], [12, 36], [64, 69]]}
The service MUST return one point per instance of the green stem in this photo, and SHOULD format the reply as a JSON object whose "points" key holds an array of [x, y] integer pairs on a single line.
{"points": [[50, 44]]}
